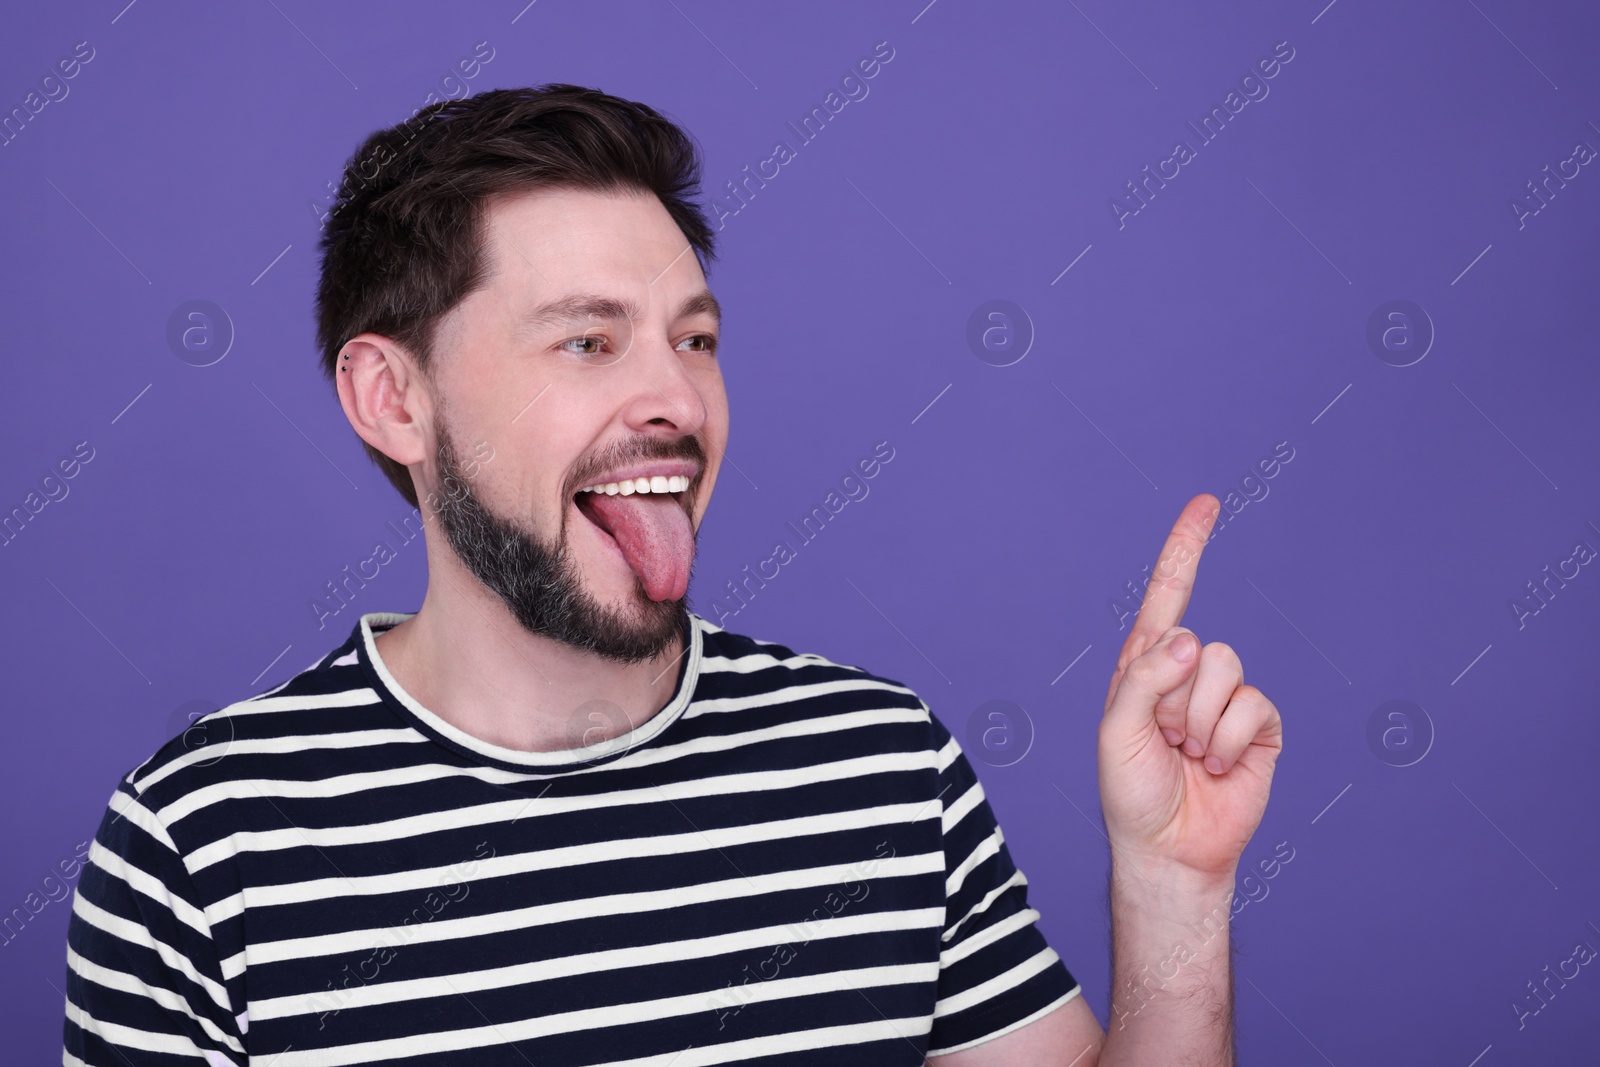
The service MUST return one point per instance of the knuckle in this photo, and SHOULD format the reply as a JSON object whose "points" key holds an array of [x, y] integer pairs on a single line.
{"points": [[1148, 668], [1141, 670], [1140, 646], [1154, 663], [1169, 575], [1248, 696]]}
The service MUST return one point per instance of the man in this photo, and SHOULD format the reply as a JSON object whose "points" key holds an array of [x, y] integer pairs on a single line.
{"points": [[554, 817]]}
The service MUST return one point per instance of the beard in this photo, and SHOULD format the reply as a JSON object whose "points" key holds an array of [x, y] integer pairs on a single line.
{"points": [[539, 582]]}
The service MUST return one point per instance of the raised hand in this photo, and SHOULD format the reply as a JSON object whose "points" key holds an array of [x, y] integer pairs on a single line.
{"points": [[1186, 749]]}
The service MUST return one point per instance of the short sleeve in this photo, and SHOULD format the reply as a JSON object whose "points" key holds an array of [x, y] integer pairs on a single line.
{"points": [[996, 972], [144, 983]]}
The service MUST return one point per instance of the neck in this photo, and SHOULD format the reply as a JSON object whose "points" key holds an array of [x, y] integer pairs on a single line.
{"points": [[465, 658]]}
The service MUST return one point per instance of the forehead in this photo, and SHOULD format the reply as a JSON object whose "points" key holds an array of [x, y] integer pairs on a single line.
{"points": [[547, 243]]}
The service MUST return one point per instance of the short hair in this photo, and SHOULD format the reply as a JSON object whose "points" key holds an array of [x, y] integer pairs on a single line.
{"points": [[405, 240]]}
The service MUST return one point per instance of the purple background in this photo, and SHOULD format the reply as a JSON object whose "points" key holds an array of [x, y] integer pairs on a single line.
{"points": [[190, 159]]}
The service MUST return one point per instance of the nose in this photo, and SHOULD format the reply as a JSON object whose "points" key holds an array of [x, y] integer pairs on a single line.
{"points": [[663, 397]]}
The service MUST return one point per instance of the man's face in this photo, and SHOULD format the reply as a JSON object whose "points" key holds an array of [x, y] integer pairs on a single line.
{"points": [[587, 359]]}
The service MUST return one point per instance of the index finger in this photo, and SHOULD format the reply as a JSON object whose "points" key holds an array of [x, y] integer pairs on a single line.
{"points": [[1172, 579]]}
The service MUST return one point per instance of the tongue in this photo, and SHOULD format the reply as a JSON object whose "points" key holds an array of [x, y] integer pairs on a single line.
{"points": [[653, 533]]}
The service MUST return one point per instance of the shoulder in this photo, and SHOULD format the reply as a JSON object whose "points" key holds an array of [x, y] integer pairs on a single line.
{"points": [[727, 653], [738, 669], [287, 732]]}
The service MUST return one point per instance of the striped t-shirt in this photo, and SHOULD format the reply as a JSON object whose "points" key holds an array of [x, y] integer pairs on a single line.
{"points": [[791, 863]]}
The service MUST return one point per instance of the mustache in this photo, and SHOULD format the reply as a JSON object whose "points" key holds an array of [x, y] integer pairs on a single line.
{"points": [[638, 450]]}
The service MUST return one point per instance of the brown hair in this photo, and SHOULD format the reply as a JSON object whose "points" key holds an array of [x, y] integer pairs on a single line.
{"points": [[404, 242]]}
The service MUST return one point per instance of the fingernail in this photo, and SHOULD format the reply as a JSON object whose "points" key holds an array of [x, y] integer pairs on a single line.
{"points": [[1214, 765], [1173, 737], [1192, 746], [1182, 647]]}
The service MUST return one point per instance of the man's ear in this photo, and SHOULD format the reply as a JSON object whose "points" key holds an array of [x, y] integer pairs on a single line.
{"points": [[385, 397]]}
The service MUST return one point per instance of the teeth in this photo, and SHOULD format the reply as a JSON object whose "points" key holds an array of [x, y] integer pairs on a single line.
{"points": [[676, 483]]}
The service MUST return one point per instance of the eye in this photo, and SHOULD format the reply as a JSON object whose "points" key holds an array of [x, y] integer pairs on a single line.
{"points": [[708, 343], [587, 339]]}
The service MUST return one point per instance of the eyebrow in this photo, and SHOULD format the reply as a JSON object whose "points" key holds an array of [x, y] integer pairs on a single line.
{"points": [[588, 307]]}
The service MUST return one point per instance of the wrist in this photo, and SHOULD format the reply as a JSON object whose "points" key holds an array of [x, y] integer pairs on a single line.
{"points": [[1157, 887]]}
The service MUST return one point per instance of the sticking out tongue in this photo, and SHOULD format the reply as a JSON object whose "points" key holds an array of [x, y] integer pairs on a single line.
{"points": [[654, 535]]}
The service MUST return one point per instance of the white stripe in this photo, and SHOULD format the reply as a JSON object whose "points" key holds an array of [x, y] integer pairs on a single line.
{"points": [[142, 817], [953, 813], [295, 743], [792, 693], [758, 661], [578, 855], [988, 936], [359, 697], [266, 703], [609, 1016], [338, 785], [997, 985], [948, 754], [344, 784], [309, 667], [128, 1037], [135, 934], [589, 907], [144, 882], [1076, 990], [374, 993], [166, 998], [508, 810], [983, 905], [989, 846]]}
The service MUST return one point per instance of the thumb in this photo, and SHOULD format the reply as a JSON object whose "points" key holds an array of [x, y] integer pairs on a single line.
{"points": [[1162, 668]]}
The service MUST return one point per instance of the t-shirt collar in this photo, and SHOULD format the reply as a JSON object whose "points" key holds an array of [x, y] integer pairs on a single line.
{"points": [[458, 740]]}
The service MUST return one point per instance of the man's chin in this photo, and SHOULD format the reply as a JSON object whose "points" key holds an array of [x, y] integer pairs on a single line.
{"points": [[627, 627], [558, 591]]}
